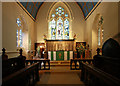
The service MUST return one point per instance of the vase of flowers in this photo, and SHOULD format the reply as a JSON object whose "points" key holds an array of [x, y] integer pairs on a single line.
{"points": [[80, 51]]}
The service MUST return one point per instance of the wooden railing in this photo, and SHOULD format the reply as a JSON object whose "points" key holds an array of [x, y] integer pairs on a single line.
{"points": [[44, 64], [24, 77], [93, 76], [75, 63], [16, 73]]}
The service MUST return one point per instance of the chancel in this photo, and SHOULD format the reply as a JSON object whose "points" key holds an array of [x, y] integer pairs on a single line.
{"points": [[60, 42]]}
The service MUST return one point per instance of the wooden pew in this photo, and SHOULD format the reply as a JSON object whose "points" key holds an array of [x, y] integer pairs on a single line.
{"points": [[24, 77], [12, 65], [93, 76], [16, 73], [105, 70]]}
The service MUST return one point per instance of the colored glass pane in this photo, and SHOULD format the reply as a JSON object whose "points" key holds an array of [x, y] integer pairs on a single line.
{"points": [[53, 15], [56, 12], [53, 29], [99, 36], [18, 22], [66, 29], [59, 11], [60, 8], [66, 15], [59, 29], [59, 14], [17, 37], [62, 12], [20, 38]]}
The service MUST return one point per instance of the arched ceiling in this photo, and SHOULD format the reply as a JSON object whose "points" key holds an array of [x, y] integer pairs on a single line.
{"points": [[31, 8]]}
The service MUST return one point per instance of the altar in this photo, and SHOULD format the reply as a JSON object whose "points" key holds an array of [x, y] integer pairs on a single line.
{"points": [[60, 55], [60, 50]]}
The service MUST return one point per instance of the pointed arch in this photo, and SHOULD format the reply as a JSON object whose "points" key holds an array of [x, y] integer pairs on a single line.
{"points": [[60, 11]]}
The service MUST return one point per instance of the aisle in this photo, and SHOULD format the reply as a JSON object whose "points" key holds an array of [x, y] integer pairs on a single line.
{"points": [[60, 75]]}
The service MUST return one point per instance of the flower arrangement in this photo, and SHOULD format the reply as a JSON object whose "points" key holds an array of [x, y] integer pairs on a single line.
{"points": [[80, 49]]}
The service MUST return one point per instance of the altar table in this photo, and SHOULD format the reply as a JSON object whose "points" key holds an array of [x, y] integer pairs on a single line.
{"points": [[60, 55]]}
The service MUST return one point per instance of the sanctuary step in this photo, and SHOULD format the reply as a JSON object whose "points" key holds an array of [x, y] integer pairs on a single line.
{"points": [[59, 63]]}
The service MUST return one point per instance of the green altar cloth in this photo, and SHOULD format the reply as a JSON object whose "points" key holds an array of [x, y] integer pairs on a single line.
{"points": [[59, 55]]}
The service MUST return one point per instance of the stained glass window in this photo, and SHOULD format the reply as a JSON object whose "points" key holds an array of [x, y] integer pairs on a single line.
{"points": [[17, 37], [59, 28], [53, 15], [20, 36], [100, 32], [66, 29], [18, 22], [59, 24], [53, 29], [99, 36], [66, 15]]}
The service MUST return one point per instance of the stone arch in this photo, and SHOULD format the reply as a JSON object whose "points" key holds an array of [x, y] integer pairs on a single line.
{"points": [[67, 8]]}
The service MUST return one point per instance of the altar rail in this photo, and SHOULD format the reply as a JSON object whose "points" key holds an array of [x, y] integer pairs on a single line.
{"points": [[75, 64], [93, 76], [24, 77], [44, 64]]}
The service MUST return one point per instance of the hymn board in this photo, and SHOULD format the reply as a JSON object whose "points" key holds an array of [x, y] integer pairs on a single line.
{"points": [[59, 50]]}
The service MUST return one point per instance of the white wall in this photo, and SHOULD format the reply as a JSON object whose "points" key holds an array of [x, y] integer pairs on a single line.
{"points": [[78, 23], [0, 26], [11, 11], [41, 23], [0, 42], [109, 11]]}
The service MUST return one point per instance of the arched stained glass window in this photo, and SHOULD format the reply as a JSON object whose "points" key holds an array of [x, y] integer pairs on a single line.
{"points": [[19, 37], [59, 24], [100, 32]]}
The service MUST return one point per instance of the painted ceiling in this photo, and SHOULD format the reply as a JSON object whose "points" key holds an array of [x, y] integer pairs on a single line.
{"points": [[31, 8]]}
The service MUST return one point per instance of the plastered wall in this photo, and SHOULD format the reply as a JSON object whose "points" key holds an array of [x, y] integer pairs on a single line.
{"points": [[109, 11], [41, 23], [11, 11], [0, 26]]}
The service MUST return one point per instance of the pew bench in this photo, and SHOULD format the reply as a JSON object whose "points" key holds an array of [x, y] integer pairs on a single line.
{"points": [[15, 72], [93, 76], [24, 77]]}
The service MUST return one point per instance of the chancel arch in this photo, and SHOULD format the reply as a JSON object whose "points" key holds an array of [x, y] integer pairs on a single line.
{"points": [[59, 21]]}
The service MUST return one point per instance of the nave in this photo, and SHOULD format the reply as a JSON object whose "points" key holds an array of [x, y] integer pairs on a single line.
{"points": [[60, 43], [60, 75], [97, 72]]}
